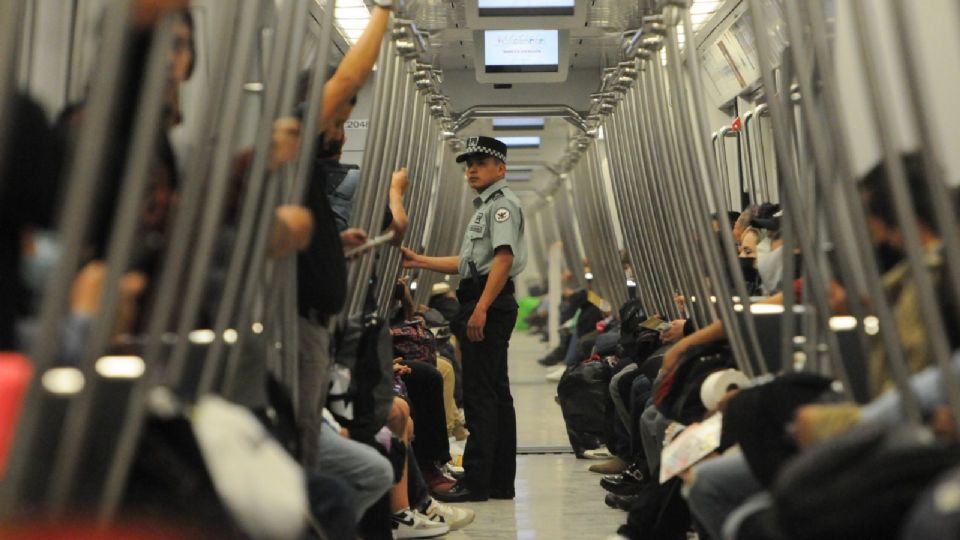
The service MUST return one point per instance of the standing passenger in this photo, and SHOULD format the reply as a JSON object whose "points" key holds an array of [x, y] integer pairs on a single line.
{"points": [[493, 252]]}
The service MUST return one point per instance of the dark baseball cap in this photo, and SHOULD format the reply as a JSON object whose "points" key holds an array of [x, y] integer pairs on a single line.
{"points": [[771, 223], [484, 145]]}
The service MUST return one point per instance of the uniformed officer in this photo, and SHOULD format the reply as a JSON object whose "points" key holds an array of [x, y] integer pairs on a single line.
{"points": [[493, 252]]}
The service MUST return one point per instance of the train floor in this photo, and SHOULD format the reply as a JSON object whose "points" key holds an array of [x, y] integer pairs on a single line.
{"points": [[557, 497]]}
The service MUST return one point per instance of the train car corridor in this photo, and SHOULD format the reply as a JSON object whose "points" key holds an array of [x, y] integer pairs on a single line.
{"points": [[480, 269], [557, 497]]}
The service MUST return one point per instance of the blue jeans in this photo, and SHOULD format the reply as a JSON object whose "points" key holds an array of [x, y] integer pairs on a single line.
{"points": [[652, 428], [927, 385], [333, 504], [571, 358], [364, 469], [720, 485]]}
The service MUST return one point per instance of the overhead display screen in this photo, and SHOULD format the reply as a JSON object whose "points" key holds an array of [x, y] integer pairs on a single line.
{"points": [[521, 51], [514, 8]]}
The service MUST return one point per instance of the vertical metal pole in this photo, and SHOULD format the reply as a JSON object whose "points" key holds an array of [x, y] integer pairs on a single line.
{"points": [[785, 152], [699, 125], [358, 271], [844, 187], [249, 259], [651, 205], [84, 178], [669, 204], [684, 201], [940, 196], [384, 154], [609, 264], [820, 144], [684, 144], [169, 281], [409, 120], [635, 242], [610, 268], [746, 157], [571, 250], [218, 187], [145, 133], [897, 182]]}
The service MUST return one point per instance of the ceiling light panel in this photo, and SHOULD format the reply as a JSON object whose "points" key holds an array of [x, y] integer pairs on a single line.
{"points": [[518, 123], [521, 142]]}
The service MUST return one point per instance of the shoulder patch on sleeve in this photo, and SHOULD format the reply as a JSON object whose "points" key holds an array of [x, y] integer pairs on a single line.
{"points": [[501, 215]]}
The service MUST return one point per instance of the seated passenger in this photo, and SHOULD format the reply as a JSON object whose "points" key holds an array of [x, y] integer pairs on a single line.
{"points": [[815, 422]]}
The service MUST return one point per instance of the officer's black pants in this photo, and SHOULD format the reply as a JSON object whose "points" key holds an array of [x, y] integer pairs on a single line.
{"points": [[490, 456]]}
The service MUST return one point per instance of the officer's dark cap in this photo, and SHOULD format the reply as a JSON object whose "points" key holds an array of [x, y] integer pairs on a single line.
{"points": [[484, 145]]}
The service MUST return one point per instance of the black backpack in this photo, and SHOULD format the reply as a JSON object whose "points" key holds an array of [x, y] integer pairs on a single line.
{"points": [[366, 348], [584, 395]]}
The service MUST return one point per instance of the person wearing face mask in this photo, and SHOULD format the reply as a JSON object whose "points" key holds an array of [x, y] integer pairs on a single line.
{"points": [[770, 263], [746, 237], [901, 289]]}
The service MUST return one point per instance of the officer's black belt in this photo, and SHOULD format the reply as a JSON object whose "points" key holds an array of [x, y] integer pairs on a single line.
{"points": [[470, 289]]}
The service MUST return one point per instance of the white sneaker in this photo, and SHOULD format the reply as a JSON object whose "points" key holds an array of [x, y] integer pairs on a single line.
{"points": [[599, 453], [412, 524], [456, 517], [556, 373]]}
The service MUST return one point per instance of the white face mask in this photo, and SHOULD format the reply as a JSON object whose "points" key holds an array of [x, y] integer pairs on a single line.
{"points": [[770, 266]]}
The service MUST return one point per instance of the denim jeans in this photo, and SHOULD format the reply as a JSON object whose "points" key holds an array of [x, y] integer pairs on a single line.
{"points": [[720, 485], [363, 468]]}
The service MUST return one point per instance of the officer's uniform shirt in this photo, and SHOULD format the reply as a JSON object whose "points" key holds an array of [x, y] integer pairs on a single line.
{"points": [[497, 221]]}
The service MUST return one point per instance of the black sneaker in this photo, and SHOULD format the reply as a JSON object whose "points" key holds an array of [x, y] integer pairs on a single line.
{"points": [[460, 493], [620, 502]]}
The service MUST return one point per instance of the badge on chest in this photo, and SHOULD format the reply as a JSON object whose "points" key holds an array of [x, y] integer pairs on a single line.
{"points": [[478, 224]]}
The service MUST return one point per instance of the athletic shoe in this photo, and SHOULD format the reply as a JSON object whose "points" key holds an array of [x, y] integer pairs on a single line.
{"points": [[454, 516], [412, 524], [452, 471], [436, 481], [598, 453], [556, 373]]}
